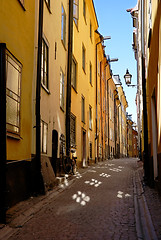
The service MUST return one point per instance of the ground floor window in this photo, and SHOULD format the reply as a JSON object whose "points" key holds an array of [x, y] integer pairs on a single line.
{"points": [[44, 134]]}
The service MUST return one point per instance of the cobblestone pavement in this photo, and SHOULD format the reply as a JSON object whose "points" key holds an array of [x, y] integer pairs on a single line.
{"points": [[99, 204]]}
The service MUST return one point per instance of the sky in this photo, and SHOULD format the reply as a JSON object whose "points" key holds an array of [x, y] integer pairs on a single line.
{"points": [[116, 22]]}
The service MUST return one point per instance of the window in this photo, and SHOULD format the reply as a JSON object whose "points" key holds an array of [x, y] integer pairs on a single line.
{"points": [[76, 11], [84, 9], [90, 30], [90, 117], [13, 90], [44, 133], [61, 89], [83, 109], [72, 130], [98, 67], [63, 26], [83, 57], [90, 150], [74, 73], [90, 73], [44, 65]]}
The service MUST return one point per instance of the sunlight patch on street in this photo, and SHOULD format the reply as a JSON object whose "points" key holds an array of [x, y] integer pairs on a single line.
{"points": [[121, 195], [81, 198], [78, 175], [93, 182], [105, 175], [115, 169]]}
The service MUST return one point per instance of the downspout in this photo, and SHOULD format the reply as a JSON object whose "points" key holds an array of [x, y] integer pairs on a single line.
{"points": [[101, 106], [108, 117], [69, 71], [96, 138], [38, 180], [3, 133]]}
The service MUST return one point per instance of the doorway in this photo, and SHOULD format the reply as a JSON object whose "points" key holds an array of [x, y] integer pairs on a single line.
{"points": [[54, 150], [154, 134]]}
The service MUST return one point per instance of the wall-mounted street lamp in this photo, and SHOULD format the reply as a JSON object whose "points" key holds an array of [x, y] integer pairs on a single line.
{"points": [[128, 77]]}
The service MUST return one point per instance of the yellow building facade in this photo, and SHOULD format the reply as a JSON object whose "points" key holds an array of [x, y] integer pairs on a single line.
{"points": [[83, 100], [17, 32]]}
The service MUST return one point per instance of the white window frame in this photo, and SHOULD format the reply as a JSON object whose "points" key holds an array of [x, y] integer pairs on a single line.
{"points": [[13, 93], [63, 25], [44, 136], [45, 65], [62, 89]]}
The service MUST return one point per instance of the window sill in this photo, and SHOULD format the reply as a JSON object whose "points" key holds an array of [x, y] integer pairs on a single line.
{"points": [[13, 136], [45, 88], [22, 5], [74, 89], [62, 109], [63, 45], [76, 25], [84, 70], [48, 7]]}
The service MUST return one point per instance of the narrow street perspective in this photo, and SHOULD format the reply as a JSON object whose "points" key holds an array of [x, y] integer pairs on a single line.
{"points": [[80, 119], [100, 202]]}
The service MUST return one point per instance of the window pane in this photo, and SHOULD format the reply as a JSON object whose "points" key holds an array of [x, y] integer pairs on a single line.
{"points": [[63, 26], [74, 67], [13, 70], [45, 138], [12, 113], [44, 64], [62, 89], [12, 76]]}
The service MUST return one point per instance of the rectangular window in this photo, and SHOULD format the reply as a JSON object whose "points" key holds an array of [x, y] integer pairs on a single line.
{"points": [[76, 11], [83, 57], [13, 90], [90, 150], [90, 117], [98, 67], [61, 89], [90, 73], [72, 130], [84, 9], [63, 26], [44, 134], [74, 73], [83, 109], [44, 65]]}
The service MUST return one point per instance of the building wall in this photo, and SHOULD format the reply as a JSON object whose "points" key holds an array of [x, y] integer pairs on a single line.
{"points": [[81, 38], [17, 31], [153, 58], [111, 95]]}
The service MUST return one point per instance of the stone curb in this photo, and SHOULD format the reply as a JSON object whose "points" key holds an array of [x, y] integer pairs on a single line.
{"points": [[144, 226]]}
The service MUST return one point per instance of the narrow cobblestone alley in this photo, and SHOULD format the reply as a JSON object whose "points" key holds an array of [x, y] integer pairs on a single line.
{"points": [[99, 204]]}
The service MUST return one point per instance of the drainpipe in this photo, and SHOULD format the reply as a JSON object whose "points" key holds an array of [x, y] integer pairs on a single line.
{"points": [[38, 180], [69, 72], [101, 107], [108, 116], [3, 132], [96, 137]]}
